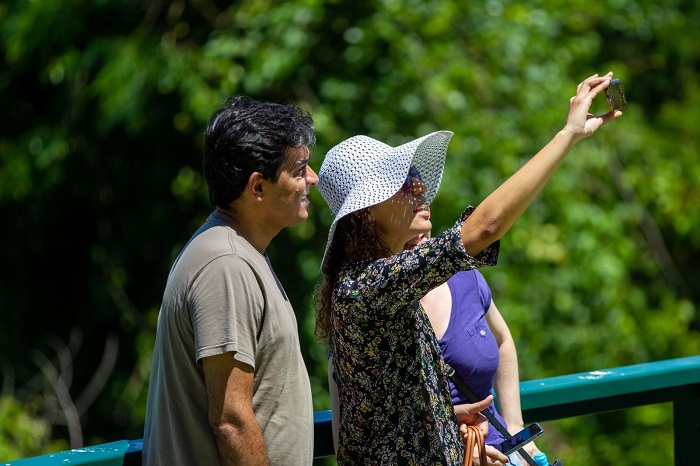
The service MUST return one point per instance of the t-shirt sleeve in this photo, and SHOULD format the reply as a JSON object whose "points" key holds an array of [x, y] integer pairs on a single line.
{"points": [[484, 290], [226, 309]]}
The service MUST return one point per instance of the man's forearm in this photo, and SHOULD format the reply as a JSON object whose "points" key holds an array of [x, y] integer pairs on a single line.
{"points": [[240, 444]]}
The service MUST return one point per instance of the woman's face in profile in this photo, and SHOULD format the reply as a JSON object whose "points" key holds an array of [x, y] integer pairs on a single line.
{"points": [[404, 215]]}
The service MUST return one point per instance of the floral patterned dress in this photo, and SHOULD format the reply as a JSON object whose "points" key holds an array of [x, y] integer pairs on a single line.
{"points": [[395, 403]]}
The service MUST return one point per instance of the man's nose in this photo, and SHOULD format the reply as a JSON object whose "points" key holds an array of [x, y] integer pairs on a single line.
{"points": [[311, 176]]}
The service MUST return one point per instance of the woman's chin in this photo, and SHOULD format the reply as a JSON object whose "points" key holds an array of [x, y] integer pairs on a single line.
{"points": [[416, 240]]}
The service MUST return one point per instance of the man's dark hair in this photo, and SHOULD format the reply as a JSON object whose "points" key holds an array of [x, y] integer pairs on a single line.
{"points": [[246, 136]]}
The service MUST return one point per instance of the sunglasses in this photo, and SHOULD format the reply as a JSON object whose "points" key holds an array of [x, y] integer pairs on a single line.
{"points": [[408, 184]]}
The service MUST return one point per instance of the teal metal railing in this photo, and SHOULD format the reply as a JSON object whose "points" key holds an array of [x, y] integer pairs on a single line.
{"points": [[672, 380]]}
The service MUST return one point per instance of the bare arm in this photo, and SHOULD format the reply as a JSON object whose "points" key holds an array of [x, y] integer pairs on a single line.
{"points": [[231, 417], [507, 380], [499, 211]]}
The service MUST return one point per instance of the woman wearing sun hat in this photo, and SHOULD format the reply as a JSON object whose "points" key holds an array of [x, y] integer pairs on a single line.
{"points": [[394, 396]]}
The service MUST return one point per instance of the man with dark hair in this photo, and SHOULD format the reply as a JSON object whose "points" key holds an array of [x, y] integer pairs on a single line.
{"points": [[228, 382]]}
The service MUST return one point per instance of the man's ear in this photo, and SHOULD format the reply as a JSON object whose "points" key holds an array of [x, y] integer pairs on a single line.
{"points": [[255, 185]]}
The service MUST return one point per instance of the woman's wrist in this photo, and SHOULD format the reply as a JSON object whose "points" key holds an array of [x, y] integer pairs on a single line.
{"points": [[515, 427], [570, 135]]}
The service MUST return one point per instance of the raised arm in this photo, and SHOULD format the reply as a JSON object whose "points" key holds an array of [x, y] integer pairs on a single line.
{"points": [[498, 212]]}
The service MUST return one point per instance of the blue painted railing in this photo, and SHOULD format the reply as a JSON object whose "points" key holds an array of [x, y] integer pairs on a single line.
{"points": [[672, 380]]}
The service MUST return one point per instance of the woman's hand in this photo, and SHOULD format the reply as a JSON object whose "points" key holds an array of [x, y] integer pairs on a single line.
{"points": [[495, 457], [470, 414], [581, 123]]}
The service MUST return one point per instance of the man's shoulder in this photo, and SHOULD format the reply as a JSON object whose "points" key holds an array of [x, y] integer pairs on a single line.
{"points": [[208, 247], [212, 241], [205, 246]]}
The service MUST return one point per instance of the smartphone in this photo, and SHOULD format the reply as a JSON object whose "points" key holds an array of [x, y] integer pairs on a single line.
{"points": [[516, 442], [615, 96]]}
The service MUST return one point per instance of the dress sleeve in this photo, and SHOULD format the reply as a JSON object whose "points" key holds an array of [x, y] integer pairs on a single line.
{"points": [[388, 285]]}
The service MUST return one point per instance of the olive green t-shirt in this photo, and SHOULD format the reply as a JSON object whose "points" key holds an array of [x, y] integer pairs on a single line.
{"points": [[222, 296]]}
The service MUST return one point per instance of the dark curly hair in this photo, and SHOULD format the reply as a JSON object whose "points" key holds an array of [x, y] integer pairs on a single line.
{"points": [[356, 238], [246, 136]]}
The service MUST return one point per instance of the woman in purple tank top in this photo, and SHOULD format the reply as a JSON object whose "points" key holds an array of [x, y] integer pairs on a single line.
{"points": [[475, 340]]}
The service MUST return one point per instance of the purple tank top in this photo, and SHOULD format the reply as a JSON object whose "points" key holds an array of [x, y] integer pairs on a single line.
{"points": [[468, 344]]}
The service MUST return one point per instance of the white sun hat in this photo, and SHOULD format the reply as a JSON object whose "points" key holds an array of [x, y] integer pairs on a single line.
{"points": [[361, 172]]}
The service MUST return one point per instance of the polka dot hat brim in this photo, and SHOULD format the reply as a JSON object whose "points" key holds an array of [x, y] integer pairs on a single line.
{"points": [[361, 172]]}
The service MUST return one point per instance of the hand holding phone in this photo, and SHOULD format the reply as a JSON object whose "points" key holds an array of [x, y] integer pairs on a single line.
{"points": [[516, 442]]}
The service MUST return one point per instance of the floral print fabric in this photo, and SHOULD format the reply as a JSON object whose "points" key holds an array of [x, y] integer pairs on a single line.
{"points": [[395, 404]]}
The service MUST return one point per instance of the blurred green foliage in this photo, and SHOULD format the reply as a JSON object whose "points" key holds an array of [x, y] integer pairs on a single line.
{"points": [[100, 146], [22, 432]]}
